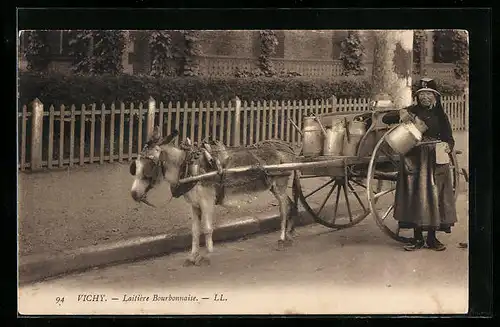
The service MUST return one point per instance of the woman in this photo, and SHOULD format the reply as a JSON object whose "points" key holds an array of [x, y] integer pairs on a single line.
{"points": [[424, 191]]}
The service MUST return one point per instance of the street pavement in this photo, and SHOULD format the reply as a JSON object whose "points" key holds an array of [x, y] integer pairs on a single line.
{"points": [[358, 270]]}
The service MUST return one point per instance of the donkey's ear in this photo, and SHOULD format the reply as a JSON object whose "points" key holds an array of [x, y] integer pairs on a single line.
{"points": [[156, 131], [170, 137], [154, 137]]}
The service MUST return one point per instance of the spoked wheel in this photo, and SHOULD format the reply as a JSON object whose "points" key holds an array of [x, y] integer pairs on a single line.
{"points": [[454, 172], [334, 202], [381, 187]]}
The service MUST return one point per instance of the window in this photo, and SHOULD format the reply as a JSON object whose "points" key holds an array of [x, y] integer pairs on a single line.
{"points": [[443, 47], [337, 38], [58, 42]]}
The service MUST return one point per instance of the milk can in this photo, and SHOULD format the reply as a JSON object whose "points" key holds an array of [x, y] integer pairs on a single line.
{"points": [[356, 129], [404, 137], [194, 169], [334, 139], [312, 139]]}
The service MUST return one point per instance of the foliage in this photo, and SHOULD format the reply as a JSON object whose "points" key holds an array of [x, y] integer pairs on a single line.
{"points": [[160, 46], [351, 54], [83, 89], [445, 87], [260, 73], [461, 49], [37, 52], [248, 73], [191, 52], [98, 52], [419, 39], [80, 45], [268, 44], [453, 46]]}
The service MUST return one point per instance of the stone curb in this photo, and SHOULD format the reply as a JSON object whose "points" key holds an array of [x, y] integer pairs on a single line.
{"points": [[38, 267]]}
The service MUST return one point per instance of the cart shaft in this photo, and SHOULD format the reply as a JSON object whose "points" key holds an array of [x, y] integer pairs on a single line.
{"points": [[285, 167]]}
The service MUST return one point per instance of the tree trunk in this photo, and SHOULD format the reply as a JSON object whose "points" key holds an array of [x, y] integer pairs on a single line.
{"points": [[392, 66], [423, 45]]}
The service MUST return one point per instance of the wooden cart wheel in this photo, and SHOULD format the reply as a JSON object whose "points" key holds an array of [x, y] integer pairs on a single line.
{"points": [[455, 173], [334, 202], [381, 180]]}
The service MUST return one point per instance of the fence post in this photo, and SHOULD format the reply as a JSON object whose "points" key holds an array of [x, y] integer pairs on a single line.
{"points": [[236, 122], [466, 99], [36, 135], [334, 103], [151, 117]]}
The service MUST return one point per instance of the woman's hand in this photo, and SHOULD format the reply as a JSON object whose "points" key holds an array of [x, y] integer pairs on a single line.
{"points": [[447, 148], [420, 124], [404, 116]]}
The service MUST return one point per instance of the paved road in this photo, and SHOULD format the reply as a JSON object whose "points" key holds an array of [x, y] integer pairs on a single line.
{"points": [[91, 205], [358, 270]]}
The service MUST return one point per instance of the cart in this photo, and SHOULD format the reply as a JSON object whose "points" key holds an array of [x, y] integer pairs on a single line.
{"points": [[340, 191]]}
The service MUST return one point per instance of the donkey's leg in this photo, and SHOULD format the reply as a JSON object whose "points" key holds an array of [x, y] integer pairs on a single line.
{"points": [[194, 256], [290, 206], [294, 210], [207, 217], [292, 215], [279, 191]]}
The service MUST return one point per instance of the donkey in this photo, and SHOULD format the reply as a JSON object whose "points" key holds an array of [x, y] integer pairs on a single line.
{"points": [[161, 160]]}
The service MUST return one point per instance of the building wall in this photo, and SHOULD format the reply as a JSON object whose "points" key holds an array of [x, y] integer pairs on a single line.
{"points": [[308, 45], [230, 43], [138, 54], [368, 41]]}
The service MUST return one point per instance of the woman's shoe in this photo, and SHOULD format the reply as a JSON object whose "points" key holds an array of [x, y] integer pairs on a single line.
{"points": [[436, 245], [416, 245]]}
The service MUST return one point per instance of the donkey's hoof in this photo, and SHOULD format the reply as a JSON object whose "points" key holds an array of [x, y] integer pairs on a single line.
{"points": [[189, 263], [197, 261], [204, 261], [282, 244]]}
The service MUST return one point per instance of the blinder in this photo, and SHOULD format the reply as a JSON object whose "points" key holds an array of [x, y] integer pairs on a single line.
{"points": [[151, 168], [148, 169], [132, 168]]}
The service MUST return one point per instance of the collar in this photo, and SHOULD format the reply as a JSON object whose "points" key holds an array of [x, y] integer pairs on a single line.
{"points": [[191, 156]]}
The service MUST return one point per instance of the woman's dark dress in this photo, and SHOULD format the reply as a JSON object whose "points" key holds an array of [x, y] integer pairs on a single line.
{"points": [[424, 191]]}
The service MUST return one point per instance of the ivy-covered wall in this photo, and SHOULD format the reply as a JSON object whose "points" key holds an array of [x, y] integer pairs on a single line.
{"points": [[228, 43], [323, 45], [308, 45]]}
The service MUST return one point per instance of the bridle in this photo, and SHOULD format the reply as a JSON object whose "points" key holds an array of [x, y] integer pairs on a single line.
{"points": [[157, 166]]}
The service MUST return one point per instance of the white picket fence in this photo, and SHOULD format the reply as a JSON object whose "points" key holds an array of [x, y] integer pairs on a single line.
{"points": [[87, 134]]}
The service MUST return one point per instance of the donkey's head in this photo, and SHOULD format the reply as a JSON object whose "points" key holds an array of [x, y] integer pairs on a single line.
{"points": [[158, 160]]}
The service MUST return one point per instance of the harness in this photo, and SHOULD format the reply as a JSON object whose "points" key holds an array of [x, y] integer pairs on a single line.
{"points": [[189, 167], [196, 156], [156, 173]]}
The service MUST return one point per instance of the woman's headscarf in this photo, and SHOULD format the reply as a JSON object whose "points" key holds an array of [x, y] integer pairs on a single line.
{"points": [[428, 84]]}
